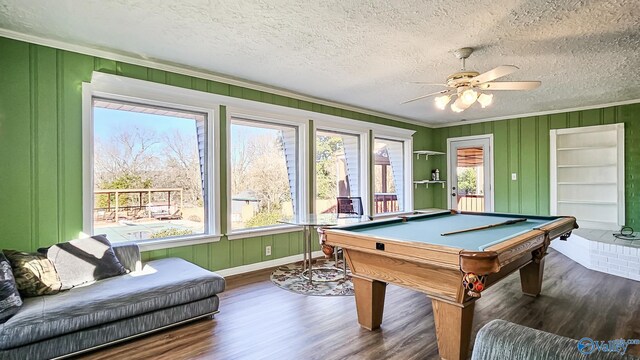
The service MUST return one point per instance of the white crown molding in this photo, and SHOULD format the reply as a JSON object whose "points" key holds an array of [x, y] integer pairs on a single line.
{"points": [[539, 113], [185, 70]]}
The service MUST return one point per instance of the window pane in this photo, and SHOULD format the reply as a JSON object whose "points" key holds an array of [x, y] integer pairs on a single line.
{"points": [[263, 173], [337, 169], [149, 171], [470, 175], [389, 176]]}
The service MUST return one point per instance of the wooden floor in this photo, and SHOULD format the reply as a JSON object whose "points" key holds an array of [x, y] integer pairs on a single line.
{"points": [[260, 321]]}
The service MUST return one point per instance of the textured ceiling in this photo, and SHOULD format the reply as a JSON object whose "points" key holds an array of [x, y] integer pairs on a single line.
{"points": [[364, 53]]}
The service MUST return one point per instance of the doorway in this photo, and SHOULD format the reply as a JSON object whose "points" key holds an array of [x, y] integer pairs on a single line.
{"points": [[470, 164]]}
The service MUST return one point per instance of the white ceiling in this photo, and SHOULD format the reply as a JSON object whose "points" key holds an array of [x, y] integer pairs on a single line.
{"points": [[364, 53]]}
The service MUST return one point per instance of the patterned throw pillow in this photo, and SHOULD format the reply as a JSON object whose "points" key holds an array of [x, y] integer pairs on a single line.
{"points": [[35, 274], [10, 301], [83, 261]]}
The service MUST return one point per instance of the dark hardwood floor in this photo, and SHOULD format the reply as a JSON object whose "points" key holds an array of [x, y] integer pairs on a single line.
{"points": [[260, 321]]}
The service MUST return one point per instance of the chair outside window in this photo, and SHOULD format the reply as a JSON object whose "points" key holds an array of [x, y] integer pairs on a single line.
{"points": [[347, 207], [350, 206]]}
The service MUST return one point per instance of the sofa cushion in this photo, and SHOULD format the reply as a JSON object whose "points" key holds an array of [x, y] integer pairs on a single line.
{"points": [[83, 261], [10, 300], [500, 339], [160, 284], [35, 274]]}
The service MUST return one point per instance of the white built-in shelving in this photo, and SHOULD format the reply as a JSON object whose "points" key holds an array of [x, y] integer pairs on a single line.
{"points": [[427, 182], [426, 154], [587, 175]]}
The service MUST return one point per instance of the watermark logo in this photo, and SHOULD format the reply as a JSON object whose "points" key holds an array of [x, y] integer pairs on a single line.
{"points": [[588, 346]]}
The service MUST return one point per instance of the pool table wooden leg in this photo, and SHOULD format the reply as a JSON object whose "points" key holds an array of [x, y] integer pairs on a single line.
{"points": [[453, 328], [369, 301], [531, 277]]}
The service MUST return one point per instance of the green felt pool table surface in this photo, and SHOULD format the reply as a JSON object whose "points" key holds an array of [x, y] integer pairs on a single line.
{"points": [[429, 227]]}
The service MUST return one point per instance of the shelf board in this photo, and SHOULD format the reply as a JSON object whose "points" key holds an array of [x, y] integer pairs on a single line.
{"points": [[587, 202], [585, 165], [587, 183], [587, 148], [427, 182], [427, 153]]}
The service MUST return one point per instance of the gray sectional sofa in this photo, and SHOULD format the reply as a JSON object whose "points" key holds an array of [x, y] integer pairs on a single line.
{"points": [[160, 294], [500, 340]]}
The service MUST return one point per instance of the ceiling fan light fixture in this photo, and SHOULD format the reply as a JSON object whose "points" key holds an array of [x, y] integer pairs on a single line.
{"points": [[456, 109], [459, 105], [485, 100], [442, 101], [469, 96]]}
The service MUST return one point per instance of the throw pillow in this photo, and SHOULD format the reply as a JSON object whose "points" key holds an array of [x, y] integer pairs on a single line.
{"points": [[35, 274], [10, 301], [84, 261]]}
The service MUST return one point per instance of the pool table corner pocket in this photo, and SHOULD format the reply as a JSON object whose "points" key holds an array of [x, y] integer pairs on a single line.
{"points": [[476, 265]]}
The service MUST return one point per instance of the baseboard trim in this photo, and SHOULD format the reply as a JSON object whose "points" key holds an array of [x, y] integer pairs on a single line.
{"points": [[265, 264]]}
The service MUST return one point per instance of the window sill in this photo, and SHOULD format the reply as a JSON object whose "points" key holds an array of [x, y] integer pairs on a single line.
{"points": [[149, 245], [272, 230], [392, 214]]}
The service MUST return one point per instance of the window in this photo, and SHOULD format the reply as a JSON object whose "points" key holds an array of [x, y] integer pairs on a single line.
{"points": [[389, 172], [337, 169], [263, 173], [149, 171]]}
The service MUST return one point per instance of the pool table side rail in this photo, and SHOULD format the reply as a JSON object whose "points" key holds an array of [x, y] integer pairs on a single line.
{"points": [[550, 230], [410, 251], [511, 249], [560, 227]]}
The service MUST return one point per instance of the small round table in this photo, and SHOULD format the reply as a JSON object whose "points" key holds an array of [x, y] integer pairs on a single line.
{"points": [[308, 223]]}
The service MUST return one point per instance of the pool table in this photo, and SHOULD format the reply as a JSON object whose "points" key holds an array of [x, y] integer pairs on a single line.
{"points": [[453, 270]]}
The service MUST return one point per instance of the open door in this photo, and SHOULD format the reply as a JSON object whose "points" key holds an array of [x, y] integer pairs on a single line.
{"points": [[471, 173]]}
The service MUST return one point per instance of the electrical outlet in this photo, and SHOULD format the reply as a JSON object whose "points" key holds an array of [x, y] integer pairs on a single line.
{"points": [[514, 176], [267, 251]]}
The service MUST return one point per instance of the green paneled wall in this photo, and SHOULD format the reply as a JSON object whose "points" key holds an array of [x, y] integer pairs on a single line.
{"points": [[522, 146], [41, 148]]}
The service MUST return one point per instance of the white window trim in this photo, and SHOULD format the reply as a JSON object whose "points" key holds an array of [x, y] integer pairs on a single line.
{"points": [[263, 231], [364, 160], [166, 93], [302, 178], [407, 149], [112, 87], [132, 89]]}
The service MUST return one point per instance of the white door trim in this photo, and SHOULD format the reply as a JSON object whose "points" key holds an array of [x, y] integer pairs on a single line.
{"points": [[491, 206]]}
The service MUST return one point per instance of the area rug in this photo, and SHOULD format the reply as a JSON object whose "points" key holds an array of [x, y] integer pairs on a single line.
{"points": [[289, 277]]}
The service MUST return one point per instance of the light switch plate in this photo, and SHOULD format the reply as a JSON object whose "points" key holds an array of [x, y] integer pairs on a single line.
{"points": [[514, 176]]}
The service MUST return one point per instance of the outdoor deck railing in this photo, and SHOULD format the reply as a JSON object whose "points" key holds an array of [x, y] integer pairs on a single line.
{"points": [[471, 202], [385, 202]]}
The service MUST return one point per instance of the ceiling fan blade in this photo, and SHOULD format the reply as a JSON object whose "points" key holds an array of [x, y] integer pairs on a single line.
{"points": [[509, 85], [424, 96], [500, 71], [426, 83]]}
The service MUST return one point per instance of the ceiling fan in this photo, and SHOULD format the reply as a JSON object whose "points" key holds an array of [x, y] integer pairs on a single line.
{"points": [[469, 86]]}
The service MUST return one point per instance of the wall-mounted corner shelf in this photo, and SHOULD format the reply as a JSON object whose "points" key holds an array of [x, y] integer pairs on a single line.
{"points": [[427, 153], [427, 182]]}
